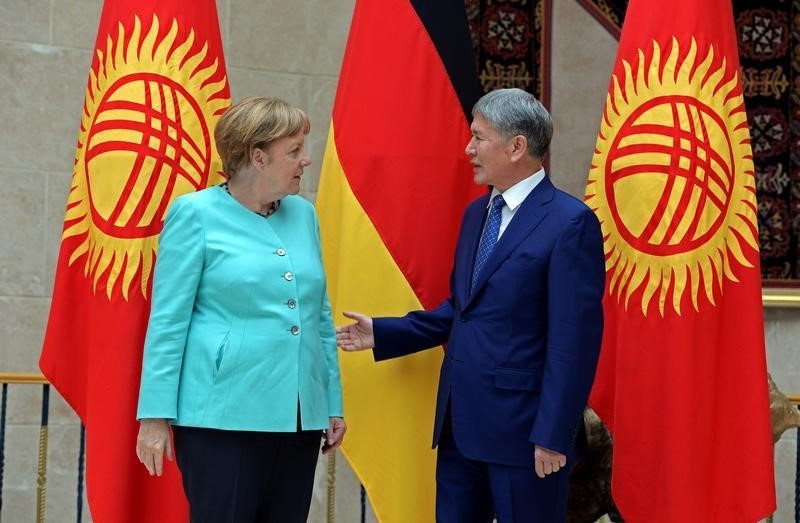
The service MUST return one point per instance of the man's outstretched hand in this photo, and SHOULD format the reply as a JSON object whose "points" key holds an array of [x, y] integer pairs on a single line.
{"points": [[356, 336]]}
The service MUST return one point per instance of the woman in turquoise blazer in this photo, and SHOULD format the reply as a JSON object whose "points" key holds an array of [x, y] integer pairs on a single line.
{"points": [[240, 355]]}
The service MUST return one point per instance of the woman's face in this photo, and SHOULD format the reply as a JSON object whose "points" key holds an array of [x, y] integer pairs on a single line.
{"points": [[283, 164]]}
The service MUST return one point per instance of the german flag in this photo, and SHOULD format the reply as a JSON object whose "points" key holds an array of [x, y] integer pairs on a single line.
{"points": [[157, 86], [682, 381], [395, 182]]}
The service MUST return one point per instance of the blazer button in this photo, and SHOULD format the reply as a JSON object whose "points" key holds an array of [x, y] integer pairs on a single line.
{"points": [[288, 276], [463, 319], [291, 304], [295, 330], [281, 252]]}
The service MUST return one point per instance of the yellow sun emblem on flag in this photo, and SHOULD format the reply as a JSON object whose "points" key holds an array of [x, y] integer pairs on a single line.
{"points": [[145, 138], [672, 179]]}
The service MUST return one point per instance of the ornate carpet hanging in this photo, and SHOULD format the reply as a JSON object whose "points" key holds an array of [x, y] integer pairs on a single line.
{"points": [[512, 44]]}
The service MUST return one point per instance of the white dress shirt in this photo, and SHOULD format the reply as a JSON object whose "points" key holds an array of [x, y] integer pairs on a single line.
{"points": [[514, 196]]}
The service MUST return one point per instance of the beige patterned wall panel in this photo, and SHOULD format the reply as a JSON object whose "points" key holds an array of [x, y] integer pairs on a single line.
{"points": [[301, 37], [75, 23], [41, 94], [583, 53], [25, 21], [21, 233]]}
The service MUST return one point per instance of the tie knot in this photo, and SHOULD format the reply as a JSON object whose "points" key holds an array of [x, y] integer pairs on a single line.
{"points": [[498, 202]]}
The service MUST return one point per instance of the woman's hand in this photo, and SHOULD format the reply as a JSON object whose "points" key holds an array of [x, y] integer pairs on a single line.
{"points": [[356, 336], [334, 435], [154, 438]]}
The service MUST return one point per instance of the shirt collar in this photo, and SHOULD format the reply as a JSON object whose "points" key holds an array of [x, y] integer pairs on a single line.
{"points": [[517, 193]]}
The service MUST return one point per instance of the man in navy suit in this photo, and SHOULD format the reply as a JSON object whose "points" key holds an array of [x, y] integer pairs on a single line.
{"points": [[523, 326]]}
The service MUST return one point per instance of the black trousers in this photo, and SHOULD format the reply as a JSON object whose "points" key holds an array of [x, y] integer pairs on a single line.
{"points": [[247, 477]]}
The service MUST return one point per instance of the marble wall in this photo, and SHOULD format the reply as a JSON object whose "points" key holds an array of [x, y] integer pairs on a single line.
{"points": [[288, 49]]}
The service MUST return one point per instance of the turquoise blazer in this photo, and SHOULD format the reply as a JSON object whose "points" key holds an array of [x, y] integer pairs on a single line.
{"points": [[240, 325]]}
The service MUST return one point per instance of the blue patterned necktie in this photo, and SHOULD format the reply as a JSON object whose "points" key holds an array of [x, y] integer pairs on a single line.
{"points": [[489, 238]]}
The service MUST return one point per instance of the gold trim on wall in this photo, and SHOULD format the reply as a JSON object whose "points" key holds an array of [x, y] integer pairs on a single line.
{"points": [[25, 378], [781, 297]]}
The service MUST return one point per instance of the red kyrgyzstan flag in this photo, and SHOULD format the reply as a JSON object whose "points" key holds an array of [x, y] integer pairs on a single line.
{"points": [[682, 380], [157, 86]]}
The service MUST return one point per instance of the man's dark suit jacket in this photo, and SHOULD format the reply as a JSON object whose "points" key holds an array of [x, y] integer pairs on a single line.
{"points": [[522, 346]]}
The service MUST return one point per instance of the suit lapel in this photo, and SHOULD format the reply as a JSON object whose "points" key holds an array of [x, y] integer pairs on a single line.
{"points": [[473, 227], [530, 213]]}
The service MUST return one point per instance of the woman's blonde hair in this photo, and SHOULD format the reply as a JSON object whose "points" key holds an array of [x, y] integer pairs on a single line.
{"points": [[254, 123]]}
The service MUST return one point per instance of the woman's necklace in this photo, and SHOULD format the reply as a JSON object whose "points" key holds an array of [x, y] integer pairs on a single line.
{"points": [[273, 207]]}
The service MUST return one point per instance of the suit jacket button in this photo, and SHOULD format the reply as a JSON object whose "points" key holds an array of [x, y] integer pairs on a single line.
{"points": [[463, 319], [295, 330]]}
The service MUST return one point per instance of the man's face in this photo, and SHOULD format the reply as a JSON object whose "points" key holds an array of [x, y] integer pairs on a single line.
{"points": [[489, 154]]}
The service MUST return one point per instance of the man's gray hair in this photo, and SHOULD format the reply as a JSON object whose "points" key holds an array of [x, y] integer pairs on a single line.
{"points": [[513, 112]]}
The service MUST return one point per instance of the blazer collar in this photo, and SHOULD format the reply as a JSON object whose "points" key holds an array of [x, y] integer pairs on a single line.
{"points": [[530, 213]]}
